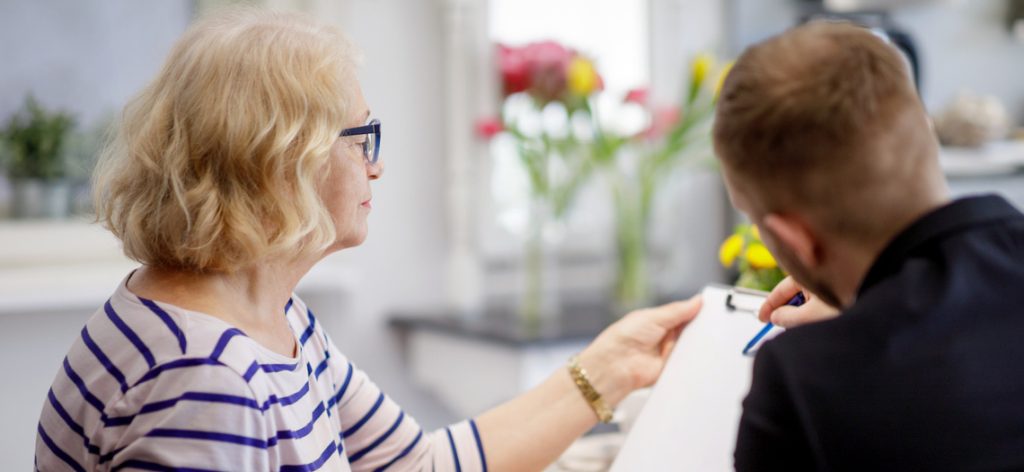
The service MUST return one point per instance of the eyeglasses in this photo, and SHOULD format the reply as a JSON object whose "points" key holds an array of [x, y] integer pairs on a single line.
{"points": [[371, 147]]}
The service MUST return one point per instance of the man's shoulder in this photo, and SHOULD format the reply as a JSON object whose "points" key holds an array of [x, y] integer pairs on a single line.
{"points": [[815, 339], [848, 341]]}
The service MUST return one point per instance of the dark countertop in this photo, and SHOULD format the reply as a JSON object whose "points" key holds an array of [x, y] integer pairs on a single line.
{"points": [[503, 324]]}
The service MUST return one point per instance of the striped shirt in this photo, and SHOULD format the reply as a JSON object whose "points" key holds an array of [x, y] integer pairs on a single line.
{"points": [[151, 386]]}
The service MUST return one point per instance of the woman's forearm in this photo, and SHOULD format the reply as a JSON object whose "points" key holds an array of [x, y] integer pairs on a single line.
{"points": [[530, 431]]}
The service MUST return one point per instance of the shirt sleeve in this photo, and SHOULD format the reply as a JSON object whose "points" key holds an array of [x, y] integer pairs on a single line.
{"points": [[197, 417], [378, 434], [770, 436]]}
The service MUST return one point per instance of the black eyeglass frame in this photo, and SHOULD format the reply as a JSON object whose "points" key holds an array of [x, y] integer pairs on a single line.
{"points": [[372, 128]]}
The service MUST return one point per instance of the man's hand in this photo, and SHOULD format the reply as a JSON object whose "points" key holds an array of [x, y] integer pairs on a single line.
{"points": [[776, 310]]}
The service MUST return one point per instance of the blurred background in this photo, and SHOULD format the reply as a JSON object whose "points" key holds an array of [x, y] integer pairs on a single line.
{"points": [[548, 169]]}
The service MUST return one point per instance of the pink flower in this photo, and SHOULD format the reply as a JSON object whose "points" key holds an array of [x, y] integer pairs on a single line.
{"points": [[637, 96], [488, 127], [547, 62], [662, 121], [546, 53]]}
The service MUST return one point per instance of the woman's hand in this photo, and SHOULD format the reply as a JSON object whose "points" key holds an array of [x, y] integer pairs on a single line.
{"points": [[631, 353], [530, 431], [776, 310]]}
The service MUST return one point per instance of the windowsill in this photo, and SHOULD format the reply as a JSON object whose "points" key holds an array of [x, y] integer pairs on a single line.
{"points": [[57, 265], [71, 265], [998, 158]]}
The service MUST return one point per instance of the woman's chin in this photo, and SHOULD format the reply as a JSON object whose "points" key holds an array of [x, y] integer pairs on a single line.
{"points": [[349, 240]]}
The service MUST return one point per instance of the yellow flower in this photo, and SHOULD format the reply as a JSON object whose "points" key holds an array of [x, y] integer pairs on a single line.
{"points": [[730, 249], [756, 232], [721, 80], [703, 63], [759, 257], [582, 77]]}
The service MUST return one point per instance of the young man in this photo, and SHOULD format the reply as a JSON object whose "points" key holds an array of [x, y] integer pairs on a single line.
{"points": [[825, 145]]}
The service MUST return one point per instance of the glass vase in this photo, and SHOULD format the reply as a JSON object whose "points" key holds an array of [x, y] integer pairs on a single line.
{"points": [[541, 302], [632, 283]]}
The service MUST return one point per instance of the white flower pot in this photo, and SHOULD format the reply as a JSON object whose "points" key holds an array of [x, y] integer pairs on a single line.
{"points": [[35, 199]]}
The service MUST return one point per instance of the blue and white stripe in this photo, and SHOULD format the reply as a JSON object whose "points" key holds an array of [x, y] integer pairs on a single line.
{"points": [[150, 386]]}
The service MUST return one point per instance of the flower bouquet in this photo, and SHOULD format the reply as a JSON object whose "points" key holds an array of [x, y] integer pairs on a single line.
{"points": [[745, 252], [562, 138], [547, 114]]}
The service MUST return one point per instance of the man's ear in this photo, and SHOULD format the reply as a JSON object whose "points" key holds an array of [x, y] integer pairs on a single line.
{"points": [[795, 235]]}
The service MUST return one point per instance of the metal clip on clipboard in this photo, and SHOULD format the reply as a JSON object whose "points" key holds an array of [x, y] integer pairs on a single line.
{"points": [[744, 299], [749, 301]]}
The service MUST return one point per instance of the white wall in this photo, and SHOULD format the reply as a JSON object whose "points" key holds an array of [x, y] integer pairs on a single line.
{"points": [[33, 345], [85, 56], [966, 44], [962, 43]]}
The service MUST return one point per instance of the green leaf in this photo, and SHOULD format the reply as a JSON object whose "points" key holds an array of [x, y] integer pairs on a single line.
{"points": [[34, 140]]}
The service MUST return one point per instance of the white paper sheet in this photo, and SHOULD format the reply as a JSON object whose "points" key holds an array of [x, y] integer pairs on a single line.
{"points": [[689, 423]]}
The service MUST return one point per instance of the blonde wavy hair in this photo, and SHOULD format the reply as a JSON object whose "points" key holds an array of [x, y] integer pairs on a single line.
{"points": [[215, 165]]}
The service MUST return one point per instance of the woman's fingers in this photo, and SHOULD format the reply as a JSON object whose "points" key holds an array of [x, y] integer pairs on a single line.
{"points": [[669, 343], [673, 315]]}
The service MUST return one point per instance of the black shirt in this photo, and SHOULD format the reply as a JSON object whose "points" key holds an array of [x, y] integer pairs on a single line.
{"points": [[924, 372]]}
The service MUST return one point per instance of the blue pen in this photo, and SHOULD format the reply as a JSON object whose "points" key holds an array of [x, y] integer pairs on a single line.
{"points": [[797, 300]]}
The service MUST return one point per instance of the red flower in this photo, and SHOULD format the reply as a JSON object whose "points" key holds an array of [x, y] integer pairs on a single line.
{"points": [[637, 95], [515, 71], [488, 127], [538, 68]]}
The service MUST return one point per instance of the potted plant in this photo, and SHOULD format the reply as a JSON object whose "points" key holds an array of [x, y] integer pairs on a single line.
{"points": [[33, 143]]}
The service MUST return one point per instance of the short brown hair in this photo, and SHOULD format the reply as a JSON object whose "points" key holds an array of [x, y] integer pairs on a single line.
{"points": [[216, 163], [824, 116]]}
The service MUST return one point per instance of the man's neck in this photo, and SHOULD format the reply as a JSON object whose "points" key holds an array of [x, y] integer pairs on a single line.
{"points": [[859, 258]]}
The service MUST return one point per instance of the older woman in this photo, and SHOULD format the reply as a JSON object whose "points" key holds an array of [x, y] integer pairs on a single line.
{"points": [[248, 159]]}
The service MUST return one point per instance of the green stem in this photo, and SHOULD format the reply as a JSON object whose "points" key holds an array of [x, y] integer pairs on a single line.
{"points": [[530, 310], [632, 286]]}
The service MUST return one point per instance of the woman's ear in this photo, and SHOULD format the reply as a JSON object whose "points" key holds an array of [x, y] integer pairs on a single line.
{"points": [[795, 236]]}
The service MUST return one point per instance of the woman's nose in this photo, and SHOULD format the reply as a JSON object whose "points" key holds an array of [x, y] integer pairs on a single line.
{"points": [[374, 171]]}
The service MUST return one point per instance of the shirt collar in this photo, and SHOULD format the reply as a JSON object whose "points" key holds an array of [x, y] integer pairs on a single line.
{"points": [[956, 216]]}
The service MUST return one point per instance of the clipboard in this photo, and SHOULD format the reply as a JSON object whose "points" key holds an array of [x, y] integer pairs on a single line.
{"points": [[690, 420]]}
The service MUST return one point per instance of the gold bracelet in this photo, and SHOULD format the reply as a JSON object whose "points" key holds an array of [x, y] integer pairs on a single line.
{"points": [[579, 376]]}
